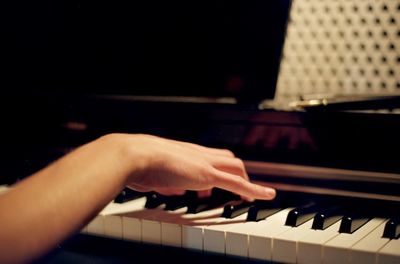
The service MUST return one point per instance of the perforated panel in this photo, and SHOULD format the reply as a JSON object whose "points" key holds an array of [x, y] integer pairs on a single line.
{"points": [[342, 47]]}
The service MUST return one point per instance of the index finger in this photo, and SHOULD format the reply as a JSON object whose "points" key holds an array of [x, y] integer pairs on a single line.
{"points": [[243, 187]]}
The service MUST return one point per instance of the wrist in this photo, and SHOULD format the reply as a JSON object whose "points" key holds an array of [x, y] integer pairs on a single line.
{"points": [[129, 155]]}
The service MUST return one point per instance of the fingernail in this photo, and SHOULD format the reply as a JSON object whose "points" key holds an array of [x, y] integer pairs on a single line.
{"points": [[270, 192]]}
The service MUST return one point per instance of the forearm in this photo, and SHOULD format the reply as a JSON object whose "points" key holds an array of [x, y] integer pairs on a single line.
{"points": [[47, 207]]}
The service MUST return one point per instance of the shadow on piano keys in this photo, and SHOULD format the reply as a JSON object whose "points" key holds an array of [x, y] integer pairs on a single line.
{"points": [[294, 228]]}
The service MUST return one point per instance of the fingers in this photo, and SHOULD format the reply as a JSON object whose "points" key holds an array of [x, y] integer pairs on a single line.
{"points": [[231, 165], [242, 187]]}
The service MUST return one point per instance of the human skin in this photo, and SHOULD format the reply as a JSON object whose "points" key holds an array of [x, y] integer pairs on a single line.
{"points": [[47, 207]]}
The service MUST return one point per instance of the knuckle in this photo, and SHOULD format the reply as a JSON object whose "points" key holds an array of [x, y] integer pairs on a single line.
{"points": [[229, 152], [239, 162]]}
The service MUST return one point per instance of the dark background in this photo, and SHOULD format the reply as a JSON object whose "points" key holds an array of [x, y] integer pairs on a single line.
{"points": [[212, 48]]}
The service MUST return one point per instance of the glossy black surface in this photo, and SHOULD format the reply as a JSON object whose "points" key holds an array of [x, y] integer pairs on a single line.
{"points": [[218, 198], [179, 201], [263, 209], [325, 218], [352, 222], [302, 214], [154, 200], [127, 194], [392, 228], [234, 210]]}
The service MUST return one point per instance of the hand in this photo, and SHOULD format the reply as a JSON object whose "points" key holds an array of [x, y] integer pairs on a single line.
{"points": [[171, 167]]}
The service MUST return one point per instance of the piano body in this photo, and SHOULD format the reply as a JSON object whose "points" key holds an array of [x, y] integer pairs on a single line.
{"points": [[336, 170]]}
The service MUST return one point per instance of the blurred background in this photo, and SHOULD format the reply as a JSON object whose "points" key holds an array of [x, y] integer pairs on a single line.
{"points": [[341, 47]]}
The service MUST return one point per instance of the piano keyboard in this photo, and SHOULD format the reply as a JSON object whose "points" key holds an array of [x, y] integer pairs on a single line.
{"points": [[297, 232]]}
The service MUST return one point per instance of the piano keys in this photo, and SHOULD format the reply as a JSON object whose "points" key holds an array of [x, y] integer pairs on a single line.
{"points": [[268, 239]]}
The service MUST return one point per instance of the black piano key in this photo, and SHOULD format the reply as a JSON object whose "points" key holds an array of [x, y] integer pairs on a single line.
{"points": [[352, 221], [392, 228], [201, 205], [263, 209], [128, 195], [302, 214], [218, 198], [234, 210], [327, 217], [154, 200], [179, 201]]}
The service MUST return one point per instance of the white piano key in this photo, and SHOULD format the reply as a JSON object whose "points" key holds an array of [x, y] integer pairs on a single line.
{"points": [[237, 244], [337, 250], [260, 239], [151, 231], [171, 229], [113, 214], [237, 236], [127, 207], [284, 247], [96, 226], [390, 253], [214, 234], [193, 227], [192, 237], [366, 250], [309, 247], [146, 226], [131, 229], [150, 224], [171, 234], [113, 226]]}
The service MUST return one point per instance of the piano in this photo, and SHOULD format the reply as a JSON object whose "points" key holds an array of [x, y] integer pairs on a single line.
{"points": [[335, 169], [335, 173]]}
